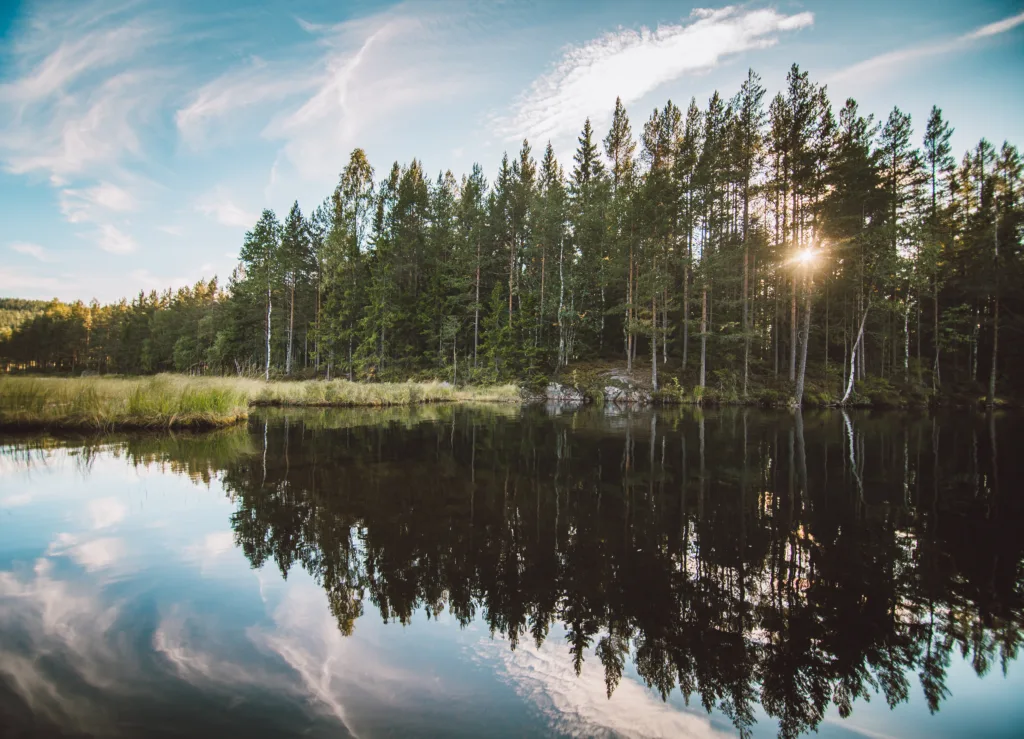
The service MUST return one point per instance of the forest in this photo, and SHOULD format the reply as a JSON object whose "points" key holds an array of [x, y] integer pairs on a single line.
{"points": [[752, 245]]}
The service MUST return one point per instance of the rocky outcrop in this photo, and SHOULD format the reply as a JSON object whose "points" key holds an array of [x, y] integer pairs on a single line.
{"points": [[564, 393], [629, 395]]}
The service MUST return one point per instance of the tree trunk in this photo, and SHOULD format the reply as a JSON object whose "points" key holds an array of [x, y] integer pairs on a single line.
{"points": [[629, 312], [703, 335], [936, 374], [805, 340], [746, 325], [976, 315], [540, 314], [561, 302], [266, 373], [511, 276], [316, 342], [991, 399], [906, 341], [476, 306], [792, 334], [664, 326], [654, 342], [853, 355], [291, 332], [686, 311]]}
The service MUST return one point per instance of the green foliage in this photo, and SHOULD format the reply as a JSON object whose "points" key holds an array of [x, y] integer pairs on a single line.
{"points": [[710, 242]]}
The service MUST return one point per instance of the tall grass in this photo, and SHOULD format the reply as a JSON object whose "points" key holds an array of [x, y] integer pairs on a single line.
{"points": [[344, 393], [176, 401], [158, 402]]}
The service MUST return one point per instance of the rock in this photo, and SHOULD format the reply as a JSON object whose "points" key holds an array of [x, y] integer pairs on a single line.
{"points": [[563, 393], [626, 396], [612, 394]]}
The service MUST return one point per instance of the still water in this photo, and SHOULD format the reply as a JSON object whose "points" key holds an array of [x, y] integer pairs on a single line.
{"points": [[499, 571]]}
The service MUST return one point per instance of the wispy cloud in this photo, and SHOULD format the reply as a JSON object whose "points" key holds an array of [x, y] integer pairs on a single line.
{"points": [[319, 104], [577, 705], [84, 205], [20, 282], [220, 207], [78, 88], [888, 64], [112, 239], [257, 83], [631, 63], [32, 250]]}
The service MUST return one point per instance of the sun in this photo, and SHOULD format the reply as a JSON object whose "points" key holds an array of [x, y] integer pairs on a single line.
{"points": [[805, 256]]}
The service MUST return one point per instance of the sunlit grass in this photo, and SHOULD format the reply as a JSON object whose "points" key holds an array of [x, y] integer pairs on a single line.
{"points": [[159, 402], [176, 401]]}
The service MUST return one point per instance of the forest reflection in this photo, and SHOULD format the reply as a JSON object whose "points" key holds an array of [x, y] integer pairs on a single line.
{"points": [[742, 557]]}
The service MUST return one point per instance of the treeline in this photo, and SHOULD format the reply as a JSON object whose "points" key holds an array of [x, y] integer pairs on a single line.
{"points": [[746, 242], [15, 311]]}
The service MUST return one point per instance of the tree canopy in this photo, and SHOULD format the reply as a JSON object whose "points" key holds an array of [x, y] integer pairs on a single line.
{"points": [[731, 245]]}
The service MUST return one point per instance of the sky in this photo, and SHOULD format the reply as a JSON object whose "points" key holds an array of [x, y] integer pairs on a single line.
{"points": [[140, 140]]}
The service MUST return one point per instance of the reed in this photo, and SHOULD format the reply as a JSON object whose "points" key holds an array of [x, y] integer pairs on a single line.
{"points": [[180, 402], [158, 402]]}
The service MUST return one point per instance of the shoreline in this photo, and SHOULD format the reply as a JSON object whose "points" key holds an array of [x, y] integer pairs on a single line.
{"points": [[177, 402], [182, 403]]}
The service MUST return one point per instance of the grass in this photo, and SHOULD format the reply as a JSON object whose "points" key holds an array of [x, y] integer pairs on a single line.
{"points": [[334, 393], [179, 402], [96, 404]]}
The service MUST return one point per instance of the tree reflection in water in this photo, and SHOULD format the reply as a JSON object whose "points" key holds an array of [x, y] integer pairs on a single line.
{"points": [[743, 557]]}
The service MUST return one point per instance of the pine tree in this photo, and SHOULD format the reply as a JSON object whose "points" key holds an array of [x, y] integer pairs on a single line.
{"points": [[261, 258], [940, 163], [620, 148]]}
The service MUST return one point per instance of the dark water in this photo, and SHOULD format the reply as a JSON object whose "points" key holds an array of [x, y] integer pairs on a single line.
{"points": [[503, 572]]}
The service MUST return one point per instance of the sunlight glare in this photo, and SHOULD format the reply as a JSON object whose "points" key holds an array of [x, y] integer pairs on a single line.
{"points": [[805, 256]]}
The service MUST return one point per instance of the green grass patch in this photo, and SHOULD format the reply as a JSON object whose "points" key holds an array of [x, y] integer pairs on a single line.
{"points": [[179, 402], [102, 404]]}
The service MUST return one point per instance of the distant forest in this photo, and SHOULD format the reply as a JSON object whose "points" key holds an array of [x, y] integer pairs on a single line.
{"points": [[743, 243]]}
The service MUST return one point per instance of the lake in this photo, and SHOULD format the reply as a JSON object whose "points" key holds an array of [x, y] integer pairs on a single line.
{"points": [[505, 571]]}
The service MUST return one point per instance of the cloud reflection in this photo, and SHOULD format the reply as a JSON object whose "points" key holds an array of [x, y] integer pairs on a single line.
{"points": [[52, 628], [579, 705]]}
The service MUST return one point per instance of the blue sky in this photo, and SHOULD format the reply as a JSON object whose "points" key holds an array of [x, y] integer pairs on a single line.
{"points": [[139, 140]]}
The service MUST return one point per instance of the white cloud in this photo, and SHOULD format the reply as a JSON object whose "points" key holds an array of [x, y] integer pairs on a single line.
{"points": [[81, 133], [256, 84], [220, 207], [106, 512], [172, 230], [98, 553], [112, 239], [884, 66], [43, 614], [214, 545], [82, 205], [19, 282], [32, 250], [629, 64], [993, 29], [91, 554], [319, 106], [61, 49], [579, 705]]}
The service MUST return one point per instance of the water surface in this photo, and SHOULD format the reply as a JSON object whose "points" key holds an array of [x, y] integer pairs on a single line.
{"points": [[448, 571]]}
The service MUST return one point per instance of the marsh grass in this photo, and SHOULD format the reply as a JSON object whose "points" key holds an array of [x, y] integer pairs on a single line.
{"points": [[103, 404], [335, 393], [179, 402]]}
